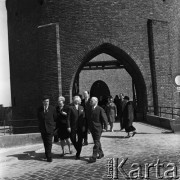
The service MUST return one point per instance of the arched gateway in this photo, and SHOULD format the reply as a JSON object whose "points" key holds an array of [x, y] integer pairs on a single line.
{"points": [[123, 61]]}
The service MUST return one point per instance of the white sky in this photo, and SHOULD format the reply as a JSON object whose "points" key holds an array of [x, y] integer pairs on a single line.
{"points": [[5, 95]]}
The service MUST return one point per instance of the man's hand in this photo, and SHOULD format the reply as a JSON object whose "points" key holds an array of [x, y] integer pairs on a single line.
{"points": [[69, 129], [64, 113]]}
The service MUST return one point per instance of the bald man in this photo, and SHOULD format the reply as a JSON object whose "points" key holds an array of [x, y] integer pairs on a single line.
{"points": [[96, 118]]}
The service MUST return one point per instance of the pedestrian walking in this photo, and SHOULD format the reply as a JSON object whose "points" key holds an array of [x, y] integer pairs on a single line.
{"points": [[76, 124], [111, 112], [116, 102], [46, 117], [128, 117], [120, 108], [61, 125], [96, 118]]}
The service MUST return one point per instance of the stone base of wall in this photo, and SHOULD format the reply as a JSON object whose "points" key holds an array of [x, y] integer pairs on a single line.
{"points": [[25, 126], [19, 140], [170, 124]]}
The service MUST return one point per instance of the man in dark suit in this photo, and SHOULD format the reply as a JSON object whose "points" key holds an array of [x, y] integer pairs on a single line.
{"points": [[76, 124], [120, 107], [46, 117], [96, 118], [86, 105]]}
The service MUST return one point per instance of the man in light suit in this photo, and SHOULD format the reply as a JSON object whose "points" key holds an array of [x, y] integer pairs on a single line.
{"points": [[76, 124], [96, 118], [46, 118]]}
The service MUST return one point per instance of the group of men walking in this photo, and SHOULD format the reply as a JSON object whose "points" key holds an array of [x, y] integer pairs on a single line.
{"points": [[76, 120], [73, 122]]}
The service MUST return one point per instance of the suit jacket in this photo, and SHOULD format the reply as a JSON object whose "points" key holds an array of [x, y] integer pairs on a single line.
{"points": [[87, 109], [96, 119], [76, 118], [46, 119]]}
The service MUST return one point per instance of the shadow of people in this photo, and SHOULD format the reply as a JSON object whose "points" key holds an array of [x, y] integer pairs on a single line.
{"points": [[69, 156], [32, 155], [121, 137], [29, 155]]}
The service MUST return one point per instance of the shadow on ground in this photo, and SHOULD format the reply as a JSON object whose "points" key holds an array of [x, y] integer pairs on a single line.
{"points": [[32, 155]]}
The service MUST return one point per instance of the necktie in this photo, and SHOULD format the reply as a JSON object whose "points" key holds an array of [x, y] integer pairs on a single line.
{"points": [[45, 109]]}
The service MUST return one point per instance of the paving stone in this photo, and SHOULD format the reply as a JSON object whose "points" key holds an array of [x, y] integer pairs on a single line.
{"points": [[147, 146]]}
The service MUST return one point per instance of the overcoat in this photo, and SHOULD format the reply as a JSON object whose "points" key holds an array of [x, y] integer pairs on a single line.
{"points": [[46, 120], [96, 118], [76, 118]]}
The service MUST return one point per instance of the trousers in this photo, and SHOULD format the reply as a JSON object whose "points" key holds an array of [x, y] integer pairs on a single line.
{"points": [[47, 141], [76, 137]]}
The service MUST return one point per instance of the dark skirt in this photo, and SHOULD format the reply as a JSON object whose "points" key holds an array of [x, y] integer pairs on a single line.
{"points": [[130, 128], [126, 126], [63, 132]]}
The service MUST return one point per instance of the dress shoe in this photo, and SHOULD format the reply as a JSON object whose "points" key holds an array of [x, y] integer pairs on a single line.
{"points": [[134, 132], [100, 156], [85, 143], [92, 159], [49, 159], [128, 136], [77, 157]]}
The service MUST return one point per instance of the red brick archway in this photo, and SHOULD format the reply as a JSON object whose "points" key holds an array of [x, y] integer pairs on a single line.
{"points": [[130, 66]]}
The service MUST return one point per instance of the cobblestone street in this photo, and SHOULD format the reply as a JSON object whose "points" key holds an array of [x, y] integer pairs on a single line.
{"points": [[147, 146]]}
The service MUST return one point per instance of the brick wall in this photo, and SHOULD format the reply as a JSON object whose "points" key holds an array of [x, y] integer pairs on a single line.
{"points": [[23, 45], [87, 29], [118, 81]]}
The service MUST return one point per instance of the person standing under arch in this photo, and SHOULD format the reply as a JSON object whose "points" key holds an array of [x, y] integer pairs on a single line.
{"points": [[86, 104], [111, 112], [120, 105]]}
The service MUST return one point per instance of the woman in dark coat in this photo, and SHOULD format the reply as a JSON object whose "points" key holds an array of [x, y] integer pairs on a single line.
{"points": [[61, 124], [128, 117]]}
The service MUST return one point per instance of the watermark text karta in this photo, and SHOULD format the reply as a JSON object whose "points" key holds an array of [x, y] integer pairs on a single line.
{"points": [[116, 167]]}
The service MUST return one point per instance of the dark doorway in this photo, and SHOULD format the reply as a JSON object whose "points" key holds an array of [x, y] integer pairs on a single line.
{"points": [[100, 90]]}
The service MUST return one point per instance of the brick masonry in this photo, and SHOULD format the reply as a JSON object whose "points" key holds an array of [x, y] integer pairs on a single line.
{"points": [[40, 60], [121, 77]]}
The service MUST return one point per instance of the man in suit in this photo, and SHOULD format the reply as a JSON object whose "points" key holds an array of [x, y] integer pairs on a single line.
{"points": [[120, 109], [76, 124], [86, 105], [46, 117], [97, 117]]}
